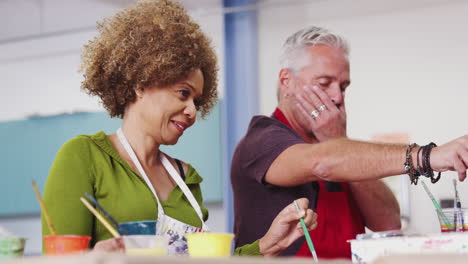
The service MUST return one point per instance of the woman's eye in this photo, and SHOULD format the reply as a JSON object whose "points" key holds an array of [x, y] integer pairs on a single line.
{"points": [[184, 93]]}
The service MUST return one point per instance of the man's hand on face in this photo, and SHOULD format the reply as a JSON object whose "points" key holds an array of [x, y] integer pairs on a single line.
{"points": [[319, 114]]}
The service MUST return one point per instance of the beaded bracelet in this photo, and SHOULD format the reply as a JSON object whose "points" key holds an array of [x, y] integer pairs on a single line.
{"points": [[426, 169], [409, 166]]}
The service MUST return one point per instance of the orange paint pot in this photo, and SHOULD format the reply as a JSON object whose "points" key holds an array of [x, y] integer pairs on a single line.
{"points": [[66, 244]]}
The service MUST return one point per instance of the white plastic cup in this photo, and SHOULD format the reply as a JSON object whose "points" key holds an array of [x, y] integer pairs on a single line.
{"points": [[145, 245]]}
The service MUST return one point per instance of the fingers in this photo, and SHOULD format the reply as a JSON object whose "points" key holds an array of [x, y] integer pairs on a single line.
{"points": [[290, 213], [305, 107], [322, 97], [303, 205], [112, 244], [310, 220], [460, 164], [312, 96], [451, 156]]}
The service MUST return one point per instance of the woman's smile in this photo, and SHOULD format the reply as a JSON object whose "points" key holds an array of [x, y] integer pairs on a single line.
{"points": [[180, 126]]}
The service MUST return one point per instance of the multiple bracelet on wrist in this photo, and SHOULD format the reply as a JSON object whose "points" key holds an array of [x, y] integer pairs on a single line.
{"points": [[423, 168]]}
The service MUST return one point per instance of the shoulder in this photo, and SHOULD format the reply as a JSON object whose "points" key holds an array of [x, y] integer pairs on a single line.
{"points": [[82, 146], [267, 130], [265, 124], [81, 142]]}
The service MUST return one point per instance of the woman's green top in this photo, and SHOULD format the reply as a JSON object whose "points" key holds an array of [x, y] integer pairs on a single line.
{"points": [[90, 164]]}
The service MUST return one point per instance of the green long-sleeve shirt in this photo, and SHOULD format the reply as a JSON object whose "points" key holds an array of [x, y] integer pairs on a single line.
{"points": [[90, 164]]}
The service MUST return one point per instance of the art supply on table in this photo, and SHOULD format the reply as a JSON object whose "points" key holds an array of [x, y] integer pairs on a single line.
{"points": [[43, 208], [11, 247], [66, 244], [114, 222], [100, 218], [437, 206], [144, 227], [451, 214], [207, 244], [145, 245], [383, 234], [458, 214], [307, 235]]}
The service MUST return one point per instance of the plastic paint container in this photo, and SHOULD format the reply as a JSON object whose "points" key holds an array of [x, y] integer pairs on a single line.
{"points": [[146, 227], [66, 244], [207, 244], [11, 247], [451, 213], [145, 245]]}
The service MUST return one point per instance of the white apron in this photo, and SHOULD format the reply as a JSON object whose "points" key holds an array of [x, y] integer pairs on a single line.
{"points": [[173, 229]]}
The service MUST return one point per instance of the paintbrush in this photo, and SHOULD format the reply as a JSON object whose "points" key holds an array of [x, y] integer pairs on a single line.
{"points": [[458, 209], [114, 222], [100, 218], [307, 235], [437, 206], [44, 210]]}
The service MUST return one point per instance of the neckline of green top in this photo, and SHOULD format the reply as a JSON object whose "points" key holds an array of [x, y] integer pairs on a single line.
{"points": [[103, 141]]}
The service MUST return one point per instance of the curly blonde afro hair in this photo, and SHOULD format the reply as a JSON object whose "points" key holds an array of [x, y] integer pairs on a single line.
{"points": [[152, 42]]}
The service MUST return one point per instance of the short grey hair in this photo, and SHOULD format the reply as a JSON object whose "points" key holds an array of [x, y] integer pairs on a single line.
{"points": [[292, 51]]}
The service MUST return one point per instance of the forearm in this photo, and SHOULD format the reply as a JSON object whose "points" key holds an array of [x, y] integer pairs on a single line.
{"points": [[350, 160], [341, 160], [377, 204]]}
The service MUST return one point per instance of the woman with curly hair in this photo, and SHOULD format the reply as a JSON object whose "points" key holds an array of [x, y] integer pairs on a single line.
{"points": [[152, 66]]}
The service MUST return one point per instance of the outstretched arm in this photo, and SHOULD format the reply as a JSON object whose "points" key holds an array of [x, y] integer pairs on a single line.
{"points": [[347, 160]]}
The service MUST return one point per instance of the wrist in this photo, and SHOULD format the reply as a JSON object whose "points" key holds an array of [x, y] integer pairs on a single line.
{"points": [[267, 248], [411, 161], [416, 156], [418, 162]]}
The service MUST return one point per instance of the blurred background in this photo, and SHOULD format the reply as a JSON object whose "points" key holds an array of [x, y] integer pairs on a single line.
{"points": [[409, 71]]}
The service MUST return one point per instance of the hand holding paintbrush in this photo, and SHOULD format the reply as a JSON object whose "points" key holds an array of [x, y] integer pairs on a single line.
{"points": [[287, 228], [306, 234]]}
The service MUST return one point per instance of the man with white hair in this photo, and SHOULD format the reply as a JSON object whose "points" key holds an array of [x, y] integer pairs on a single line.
{"points": [[302, 150]]}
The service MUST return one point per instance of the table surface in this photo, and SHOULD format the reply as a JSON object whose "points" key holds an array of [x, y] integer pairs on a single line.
{"points": [[116, 258]]}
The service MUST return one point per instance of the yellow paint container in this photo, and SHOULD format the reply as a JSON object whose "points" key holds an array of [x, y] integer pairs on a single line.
{"points": [[207, 244]]}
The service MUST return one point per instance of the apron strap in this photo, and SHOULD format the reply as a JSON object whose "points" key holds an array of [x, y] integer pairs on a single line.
{"points": [[170, 169], [137, 163], [176, 177]]}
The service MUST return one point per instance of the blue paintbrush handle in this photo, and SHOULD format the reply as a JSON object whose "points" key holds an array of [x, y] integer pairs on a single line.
{"points": [[95, 202]]}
